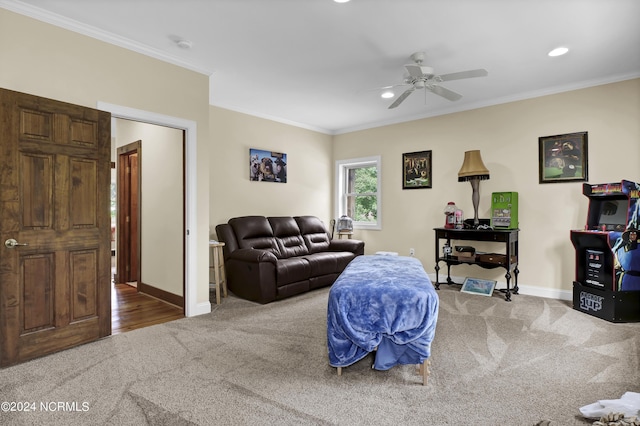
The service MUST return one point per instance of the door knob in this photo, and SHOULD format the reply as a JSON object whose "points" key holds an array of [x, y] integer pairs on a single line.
{"points": [[11, 243]]}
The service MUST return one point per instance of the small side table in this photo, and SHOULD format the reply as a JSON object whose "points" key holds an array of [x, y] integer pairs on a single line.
{"points": [[216, 265], [509, 261], [345, 234]]}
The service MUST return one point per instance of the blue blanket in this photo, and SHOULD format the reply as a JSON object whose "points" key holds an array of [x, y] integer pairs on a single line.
{"points": [[384, 302]]}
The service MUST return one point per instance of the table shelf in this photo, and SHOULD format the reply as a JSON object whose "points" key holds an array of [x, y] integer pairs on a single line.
{"points": [[458, 261]]}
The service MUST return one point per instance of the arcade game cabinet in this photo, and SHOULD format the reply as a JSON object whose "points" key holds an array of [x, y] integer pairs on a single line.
{"points": [[607, 281]]}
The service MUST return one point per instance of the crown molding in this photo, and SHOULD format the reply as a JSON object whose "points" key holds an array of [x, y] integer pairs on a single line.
{"points": [[273, 118], [96, 33], [492, 102]]}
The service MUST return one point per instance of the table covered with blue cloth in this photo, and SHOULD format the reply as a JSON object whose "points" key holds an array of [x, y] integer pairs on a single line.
{"points": [[383, 302]]}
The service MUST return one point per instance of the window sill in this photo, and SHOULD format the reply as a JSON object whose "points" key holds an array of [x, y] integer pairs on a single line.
{"points": [[375, 227]]}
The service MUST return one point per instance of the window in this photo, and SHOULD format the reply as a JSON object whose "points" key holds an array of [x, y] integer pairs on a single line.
{"points": [[358, 193]]}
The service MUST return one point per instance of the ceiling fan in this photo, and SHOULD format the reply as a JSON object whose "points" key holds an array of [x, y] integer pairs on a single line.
{"points": [[422, 77]]}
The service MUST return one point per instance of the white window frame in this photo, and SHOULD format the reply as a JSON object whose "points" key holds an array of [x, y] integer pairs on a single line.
{"points": [[342, 166]]}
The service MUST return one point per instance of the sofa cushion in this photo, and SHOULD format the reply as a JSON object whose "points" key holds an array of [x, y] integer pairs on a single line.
{"points": [[292, 270], [254, 232], [328, 262], [314, 233], [316, 243], [288, 238]]}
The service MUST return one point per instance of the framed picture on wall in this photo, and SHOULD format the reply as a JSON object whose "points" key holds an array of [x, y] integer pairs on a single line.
{"points": [[563, 158], [416, 170], [267, 166]]}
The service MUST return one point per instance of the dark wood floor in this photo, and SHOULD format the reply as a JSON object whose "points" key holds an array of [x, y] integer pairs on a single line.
{"points": [[131, 310]]}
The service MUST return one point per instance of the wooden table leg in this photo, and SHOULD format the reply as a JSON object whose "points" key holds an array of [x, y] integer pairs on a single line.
{"points": [[216, 262], [216, 272], [424, 371], [223, 274]]}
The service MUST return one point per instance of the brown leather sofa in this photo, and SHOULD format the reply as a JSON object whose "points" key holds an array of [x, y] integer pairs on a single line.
{"points": [[271, 258]]}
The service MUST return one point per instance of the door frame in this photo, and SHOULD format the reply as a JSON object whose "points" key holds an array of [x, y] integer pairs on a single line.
{"points": [[124, 237], [191, 306]]}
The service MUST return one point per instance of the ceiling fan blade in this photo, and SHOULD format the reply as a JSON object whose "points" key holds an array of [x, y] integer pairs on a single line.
{"points": [[378, 89], [401, 98], [463, 74], [393, 85], [414, 70], [445, 93]]}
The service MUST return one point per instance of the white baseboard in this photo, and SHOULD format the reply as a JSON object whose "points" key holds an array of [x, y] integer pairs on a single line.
{"points": [[549, 293], [202, 308]]}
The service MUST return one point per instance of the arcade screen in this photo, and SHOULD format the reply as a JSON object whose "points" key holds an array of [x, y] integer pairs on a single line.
{"points": [[613, 214]]}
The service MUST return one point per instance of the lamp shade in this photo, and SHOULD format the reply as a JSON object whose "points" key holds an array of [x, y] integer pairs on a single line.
{"points": [[473, 167]]}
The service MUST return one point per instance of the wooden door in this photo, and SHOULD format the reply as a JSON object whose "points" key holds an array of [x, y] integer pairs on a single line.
{"points": [[55, 291], [128, 252]]}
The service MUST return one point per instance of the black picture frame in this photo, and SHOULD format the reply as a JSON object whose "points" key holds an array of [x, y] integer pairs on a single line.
{"points": [[416, 170], [563, 158]]}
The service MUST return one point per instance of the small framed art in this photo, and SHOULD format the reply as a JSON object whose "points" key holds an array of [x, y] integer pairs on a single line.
{"points": [[267, 166], [416, 170], [563, 158], [478, 286]]}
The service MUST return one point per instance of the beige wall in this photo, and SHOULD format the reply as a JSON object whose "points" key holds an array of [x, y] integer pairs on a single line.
{"points": [[60, 64], [48, 61], [308, 190], [162, 218], [507, 136]]}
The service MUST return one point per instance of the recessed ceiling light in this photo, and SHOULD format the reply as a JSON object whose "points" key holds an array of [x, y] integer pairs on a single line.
{"points": [[558, 51], [341, 1], [387, 94]]}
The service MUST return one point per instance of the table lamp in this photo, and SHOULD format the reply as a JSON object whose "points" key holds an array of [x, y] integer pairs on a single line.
{"points": [[473, 170]]}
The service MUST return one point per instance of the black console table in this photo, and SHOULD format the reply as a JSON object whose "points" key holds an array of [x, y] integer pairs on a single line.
{"points": [[509, 260]]}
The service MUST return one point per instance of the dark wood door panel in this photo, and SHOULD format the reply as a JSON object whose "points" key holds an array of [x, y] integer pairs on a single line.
{"points": [[83, 273], [36, 295], [36, 190], [55, 188], [44, 121], [82, 193], [46, 342]]}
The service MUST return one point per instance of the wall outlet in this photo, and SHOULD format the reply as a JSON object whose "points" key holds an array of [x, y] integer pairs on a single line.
{"points": [[412, 252]]}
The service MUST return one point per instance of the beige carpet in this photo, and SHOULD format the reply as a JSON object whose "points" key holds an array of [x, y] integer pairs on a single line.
{"points": [[493, 363]]}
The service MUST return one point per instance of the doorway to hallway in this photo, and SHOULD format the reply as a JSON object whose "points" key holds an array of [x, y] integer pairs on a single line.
{"points": [[149, 221], [190, 236]]}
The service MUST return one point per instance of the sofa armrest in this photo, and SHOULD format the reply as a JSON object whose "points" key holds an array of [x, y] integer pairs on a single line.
{"points": [[225, 234], [251, 274], [253, 256], [354, 246]]}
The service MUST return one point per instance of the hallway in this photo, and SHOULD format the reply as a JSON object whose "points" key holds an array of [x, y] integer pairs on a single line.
{"points": [[131, 310]]}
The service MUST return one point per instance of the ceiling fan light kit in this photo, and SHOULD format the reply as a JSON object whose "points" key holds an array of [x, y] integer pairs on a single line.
{"points": [[424, 77]]}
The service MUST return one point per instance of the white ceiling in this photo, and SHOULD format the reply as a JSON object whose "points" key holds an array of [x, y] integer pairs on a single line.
{"points": [[318, 64]]}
